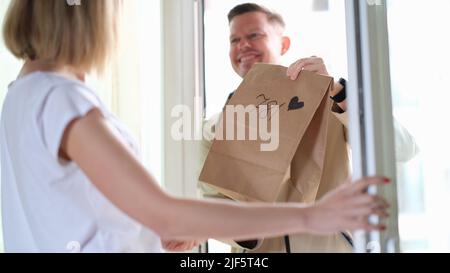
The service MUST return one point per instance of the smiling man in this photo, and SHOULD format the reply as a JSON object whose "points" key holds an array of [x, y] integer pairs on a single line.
{"points": [[256, 37]]}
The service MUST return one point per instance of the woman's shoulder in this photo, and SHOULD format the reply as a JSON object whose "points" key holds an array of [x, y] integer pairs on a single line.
{"points": [[40, 92], [59, 86], [41, 83], [60, 82]]}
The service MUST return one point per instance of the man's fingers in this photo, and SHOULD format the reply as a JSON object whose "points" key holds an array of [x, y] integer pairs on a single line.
{"points": [[295, 69], [298, 66], [316, 68], [312, 64]]}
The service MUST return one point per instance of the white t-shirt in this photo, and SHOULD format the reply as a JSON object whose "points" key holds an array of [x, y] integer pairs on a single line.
{"points": [[49, 205]]}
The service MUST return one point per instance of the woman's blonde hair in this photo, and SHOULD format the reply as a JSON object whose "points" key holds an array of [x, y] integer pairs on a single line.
{"points": [[79, 33]]}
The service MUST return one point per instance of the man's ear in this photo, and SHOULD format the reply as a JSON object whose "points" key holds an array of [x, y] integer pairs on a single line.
{"points": [[285, 44]]}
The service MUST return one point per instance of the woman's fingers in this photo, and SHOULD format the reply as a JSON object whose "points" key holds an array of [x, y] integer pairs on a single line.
{"points": [[181, 245], [366, 211], [361, 209], [364, 223], [350, 207], [362, 185], [359, 205], [366, 199]]}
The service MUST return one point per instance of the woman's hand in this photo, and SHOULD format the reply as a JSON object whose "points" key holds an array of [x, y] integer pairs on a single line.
{"points": [[180, 246], [348, 207]]}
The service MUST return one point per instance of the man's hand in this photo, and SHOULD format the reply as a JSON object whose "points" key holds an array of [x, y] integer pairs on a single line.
{"points": [[313, 64], [180, 246], [316, 65]]}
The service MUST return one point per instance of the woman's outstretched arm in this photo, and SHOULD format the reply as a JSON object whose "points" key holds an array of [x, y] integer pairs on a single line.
{"points": [[116, 172]]}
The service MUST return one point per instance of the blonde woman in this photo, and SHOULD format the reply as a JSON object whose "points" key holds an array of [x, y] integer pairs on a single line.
{"points": [[69, 170]]}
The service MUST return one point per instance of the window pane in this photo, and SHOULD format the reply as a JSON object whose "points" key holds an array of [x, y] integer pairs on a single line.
{"points": [[132, 86]]}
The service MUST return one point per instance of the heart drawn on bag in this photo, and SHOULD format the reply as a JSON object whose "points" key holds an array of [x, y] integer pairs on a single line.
{"points": [[296, 104]]}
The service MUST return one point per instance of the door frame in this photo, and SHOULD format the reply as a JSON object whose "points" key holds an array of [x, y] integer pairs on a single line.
{"points": [[370, 111]]}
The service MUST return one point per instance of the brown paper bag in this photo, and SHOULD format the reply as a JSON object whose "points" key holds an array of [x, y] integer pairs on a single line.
{"points": [[240, 169]]}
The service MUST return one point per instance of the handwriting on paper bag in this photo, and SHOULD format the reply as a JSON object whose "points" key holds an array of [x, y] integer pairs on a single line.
{"points": [[265, 112], [294, 104]]}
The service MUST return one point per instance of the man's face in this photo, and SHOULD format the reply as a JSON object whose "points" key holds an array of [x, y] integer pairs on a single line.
{"points": [[253, 39]]}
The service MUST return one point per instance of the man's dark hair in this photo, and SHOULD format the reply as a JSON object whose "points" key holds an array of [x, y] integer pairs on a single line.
{"points": [[251, 7]]}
